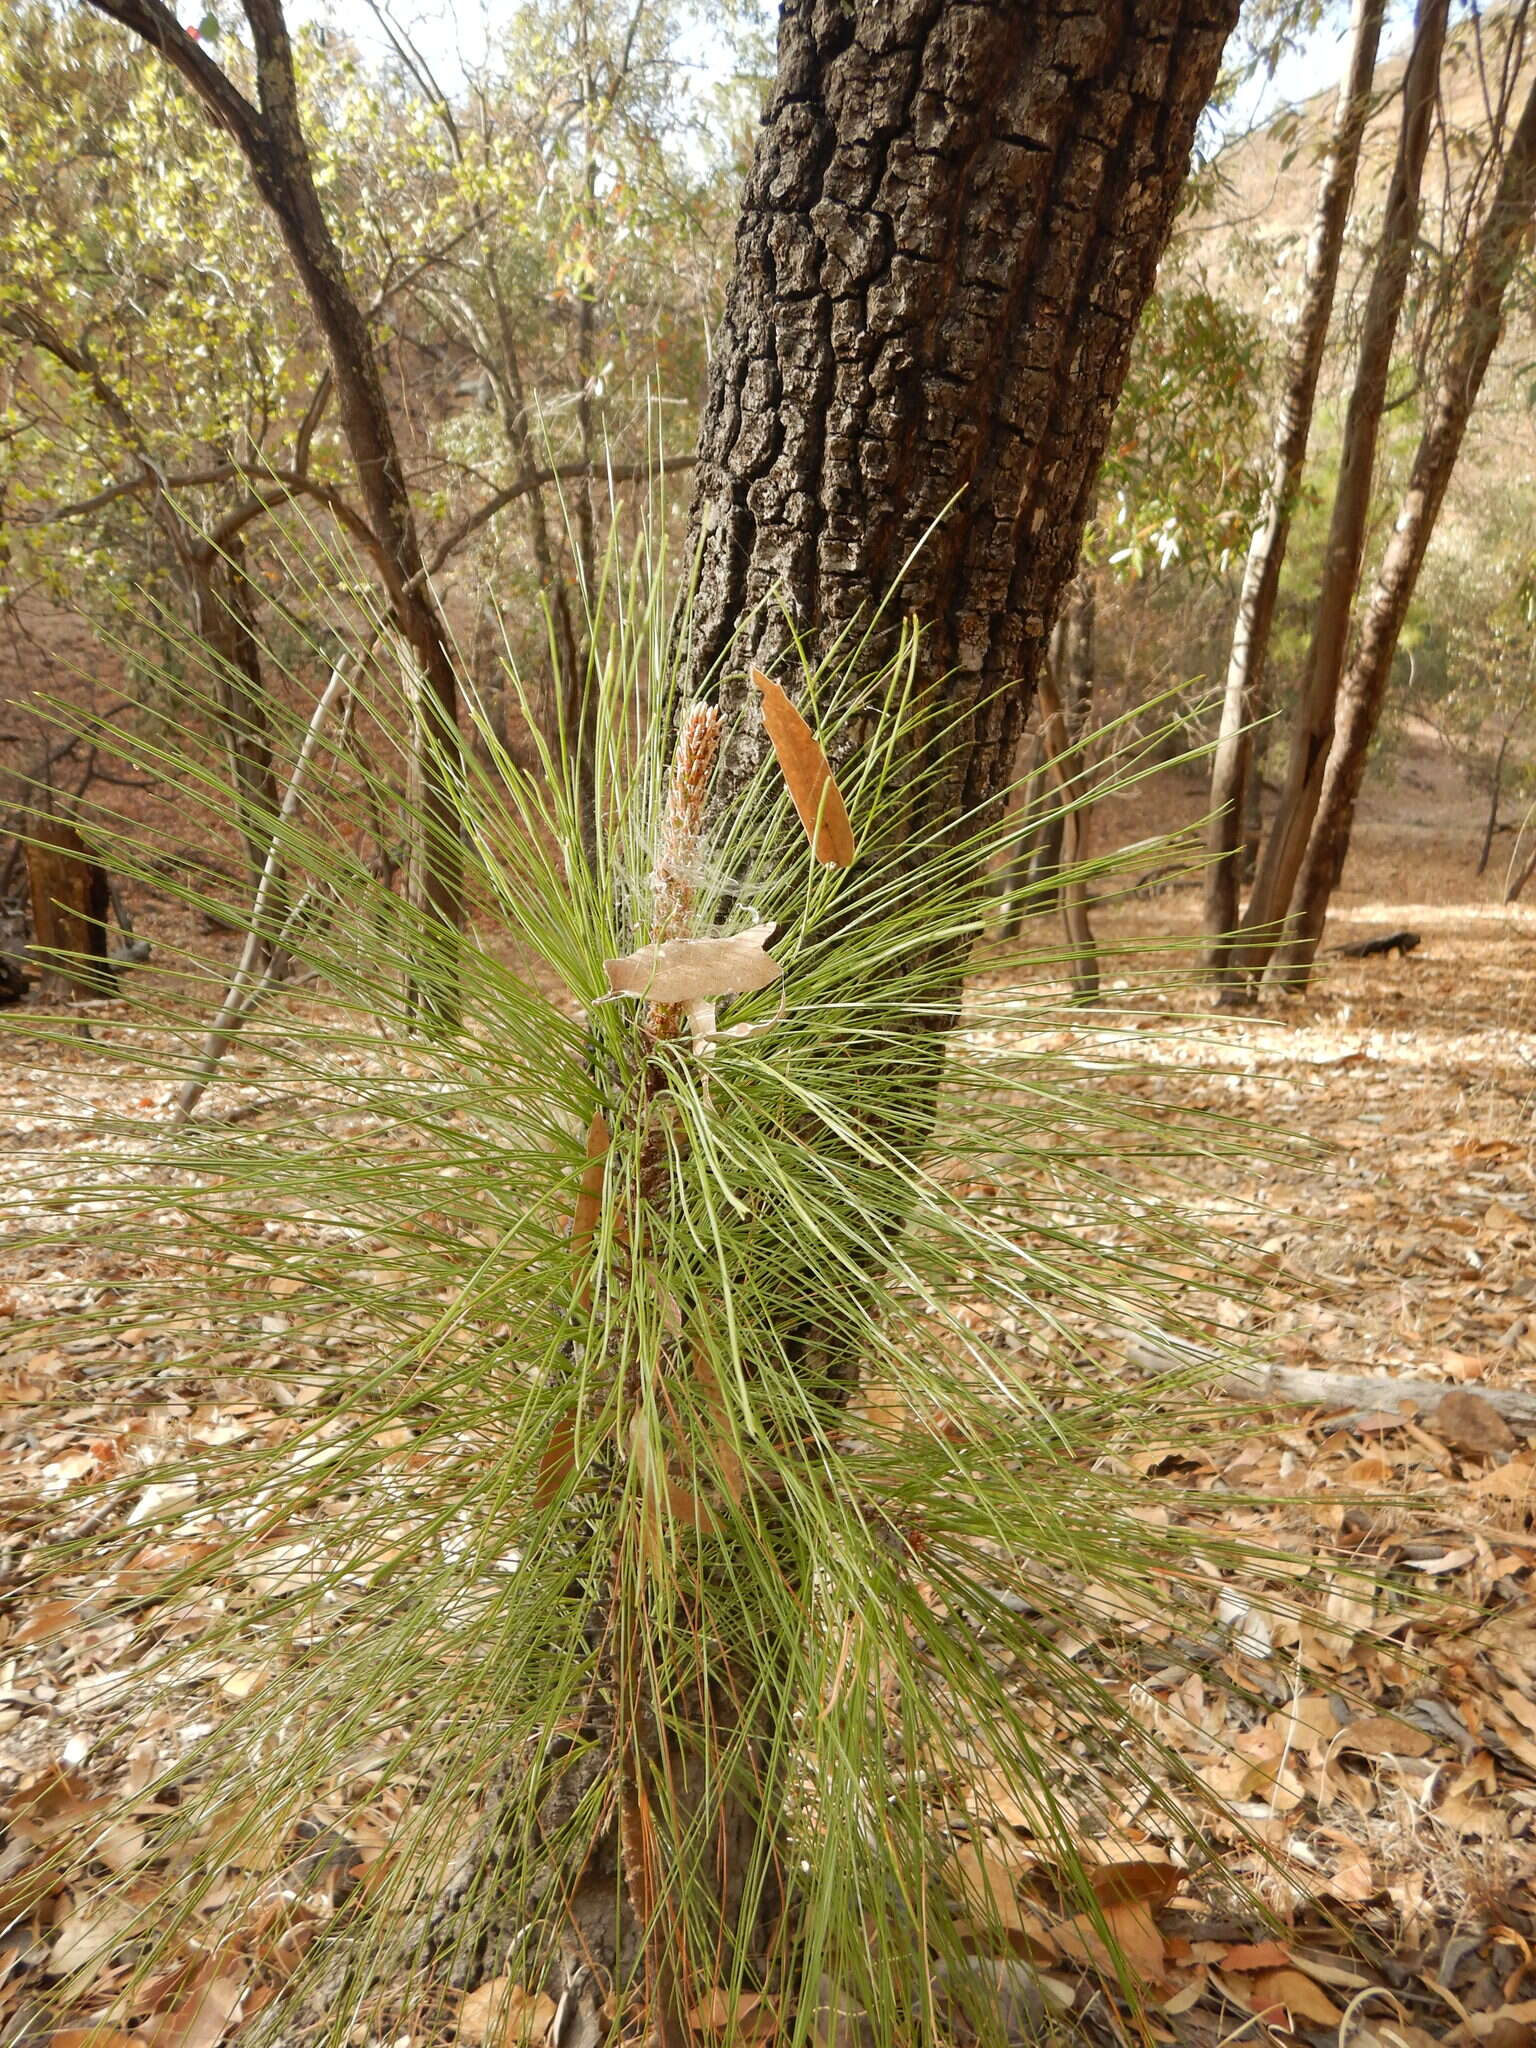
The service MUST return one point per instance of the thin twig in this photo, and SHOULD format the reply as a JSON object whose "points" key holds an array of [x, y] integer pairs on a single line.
{"points": [[247, 986]]}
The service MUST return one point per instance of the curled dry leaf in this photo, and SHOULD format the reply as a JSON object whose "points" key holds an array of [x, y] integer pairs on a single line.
{"points": [[807, 776], [502, 2014], [742, 2012], [1383, 1735], [1295, 1994], [86, 1937], [202, 2017], [589, 1199], [697, 970]]}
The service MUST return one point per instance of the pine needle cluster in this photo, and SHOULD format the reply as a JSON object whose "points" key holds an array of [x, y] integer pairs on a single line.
{"points": [[693, 1515]]}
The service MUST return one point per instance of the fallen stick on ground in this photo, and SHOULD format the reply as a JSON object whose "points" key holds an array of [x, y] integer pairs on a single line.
{"points": [[1297, 1386]]}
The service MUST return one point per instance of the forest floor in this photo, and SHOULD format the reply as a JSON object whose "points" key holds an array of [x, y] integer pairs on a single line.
{"points": [[1384, 1771]]}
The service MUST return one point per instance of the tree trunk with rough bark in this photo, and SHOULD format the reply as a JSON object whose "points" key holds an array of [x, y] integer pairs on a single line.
{"points": [[1281, 855], [1060, 734], [270, 135], [225, 623], [1479, 323], [951, 226], [1034, 798], [70, 902], [1232, 766]]}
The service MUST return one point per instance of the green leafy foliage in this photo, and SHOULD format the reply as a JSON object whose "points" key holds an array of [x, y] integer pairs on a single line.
{"points": [[1181, 483]]}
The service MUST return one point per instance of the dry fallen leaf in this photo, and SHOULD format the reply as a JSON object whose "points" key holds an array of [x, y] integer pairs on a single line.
{"points": [[1256, 1955], [807, 776], [1381, 1735], [48, 1618], [1296, 1993], [697, 970], [502, 2014], [1469, 1422], [1122, 1936], [89, 1934], [988, 1890], [1123, 1884], [200, 2020], [719, 2009]]}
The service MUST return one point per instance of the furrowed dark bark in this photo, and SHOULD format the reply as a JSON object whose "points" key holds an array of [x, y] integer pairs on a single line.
{"points": [[1479, 323], [952, 223], [1232, 765]]}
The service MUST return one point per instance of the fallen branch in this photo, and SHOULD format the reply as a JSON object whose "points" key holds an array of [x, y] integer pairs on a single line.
{"points": [[1296, 1386]]}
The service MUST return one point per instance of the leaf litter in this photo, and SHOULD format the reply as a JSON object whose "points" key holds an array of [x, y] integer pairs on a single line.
{"points": [[1383, 1806]]}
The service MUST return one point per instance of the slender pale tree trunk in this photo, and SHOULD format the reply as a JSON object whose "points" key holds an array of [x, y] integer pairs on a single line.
{"points": [[1233, 763], [1036, 795], [1280, 856], [1253, 790], [1515, 887], [1494, 794], [1058, 737], [1490, 264], [1044, 851]]}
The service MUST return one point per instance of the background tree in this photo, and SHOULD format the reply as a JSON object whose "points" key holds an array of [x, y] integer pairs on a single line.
{"points": [[1491, 263], [211, 426], [1232, 761], [1280, 855]]}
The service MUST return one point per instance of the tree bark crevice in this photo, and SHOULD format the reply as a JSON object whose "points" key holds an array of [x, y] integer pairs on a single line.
{"points": [[950, 228]]}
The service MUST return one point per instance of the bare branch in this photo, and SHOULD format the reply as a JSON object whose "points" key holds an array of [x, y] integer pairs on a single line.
{"points": [[535, 480], [158, 27]]}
